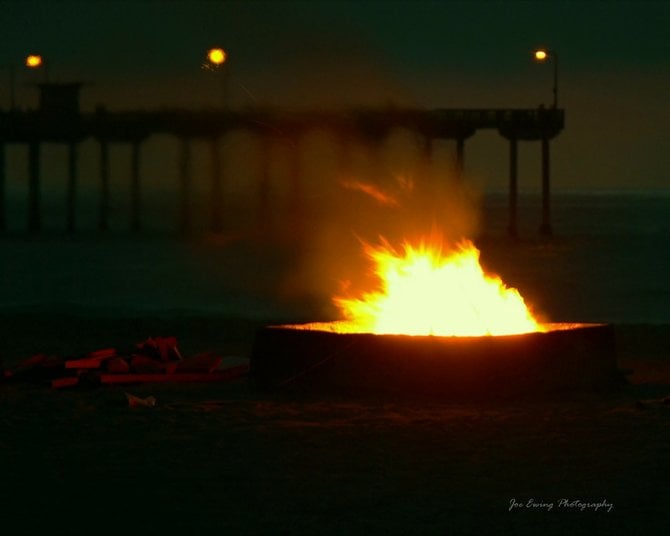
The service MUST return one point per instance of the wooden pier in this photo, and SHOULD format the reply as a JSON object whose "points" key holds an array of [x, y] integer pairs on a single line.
{"points": [[59, 120]]}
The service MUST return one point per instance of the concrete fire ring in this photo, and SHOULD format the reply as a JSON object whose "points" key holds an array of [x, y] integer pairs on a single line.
{"points": [[310, 358]]}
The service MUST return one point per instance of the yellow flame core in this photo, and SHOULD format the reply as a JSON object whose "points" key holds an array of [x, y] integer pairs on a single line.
{"points": [[424, 292]]}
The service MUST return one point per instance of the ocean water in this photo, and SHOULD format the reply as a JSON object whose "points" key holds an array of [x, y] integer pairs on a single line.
{"points": [[609, 260]]}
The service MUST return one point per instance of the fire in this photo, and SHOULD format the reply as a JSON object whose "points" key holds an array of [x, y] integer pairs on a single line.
{"points": [[425, 292]]}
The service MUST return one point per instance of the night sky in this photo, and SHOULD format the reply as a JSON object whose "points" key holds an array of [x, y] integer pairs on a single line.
{"points": [[614, 77]]}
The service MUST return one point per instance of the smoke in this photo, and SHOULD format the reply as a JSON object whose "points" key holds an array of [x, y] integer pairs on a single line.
{"points": [[390, 191]]}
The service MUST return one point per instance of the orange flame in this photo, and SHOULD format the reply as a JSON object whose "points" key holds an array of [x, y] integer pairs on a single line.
{"points": [[369, 189], [424, 292]]}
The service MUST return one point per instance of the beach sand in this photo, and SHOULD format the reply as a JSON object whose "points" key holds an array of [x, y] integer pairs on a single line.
{"points": [[227, 459]]}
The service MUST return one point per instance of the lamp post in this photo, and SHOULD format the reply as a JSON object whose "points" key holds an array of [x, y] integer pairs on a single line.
{"points": [[11, 70], [36, 61], [217, 58], [31, 61], [541, 55]]}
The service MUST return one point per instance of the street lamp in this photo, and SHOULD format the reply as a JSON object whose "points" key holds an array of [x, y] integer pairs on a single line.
{"points": [[217, 58], [541, 55], [33, 61], [36, 61]]}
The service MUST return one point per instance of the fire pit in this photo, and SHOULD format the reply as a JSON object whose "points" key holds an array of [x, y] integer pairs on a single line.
{"points": [[435, 325], [312, 357]]}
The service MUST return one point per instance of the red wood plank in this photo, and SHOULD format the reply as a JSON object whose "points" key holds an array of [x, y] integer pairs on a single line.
{"points": [[59, 383], [163, 348], [177, 377], [141, 364], [205, 362], [37, 359], [117, 365], [84, 363], [102, 354], [166, 346], [93, 360]]}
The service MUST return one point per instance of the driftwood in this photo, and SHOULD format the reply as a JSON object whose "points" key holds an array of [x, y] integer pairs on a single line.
{"points": [[155, 360]]}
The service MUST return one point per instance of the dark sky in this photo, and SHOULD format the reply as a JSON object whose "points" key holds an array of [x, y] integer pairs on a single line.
{"points": [[614, 65]]}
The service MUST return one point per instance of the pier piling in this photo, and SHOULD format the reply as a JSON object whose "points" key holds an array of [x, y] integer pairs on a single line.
{"points": [[135, 191], [512, 229], [3, 185], [545, 227], [369, 127], [34, 212], [71, 188], [103, 222]]}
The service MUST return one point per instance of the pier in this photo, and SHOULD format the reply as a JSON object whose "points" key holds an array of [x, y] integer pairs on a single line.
{"points": [[59, 120]]}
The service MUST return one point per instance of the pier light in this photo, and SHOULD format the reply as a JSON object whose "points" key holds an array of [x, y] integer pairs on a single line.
{"points": [[542, 55], [37, 61], [217, 56], [34, 61], [217, 59]]}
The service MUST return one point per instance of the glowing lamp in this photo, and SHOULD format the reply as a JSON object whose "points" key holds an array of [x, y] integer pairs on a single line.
{"points": [[217, 56], [541, 55], [34, 61]]}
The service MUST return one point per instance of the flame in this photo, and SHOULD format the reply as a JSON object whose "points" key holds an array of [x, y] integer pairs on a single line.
{"points": [[423, 292], [375, 193]]}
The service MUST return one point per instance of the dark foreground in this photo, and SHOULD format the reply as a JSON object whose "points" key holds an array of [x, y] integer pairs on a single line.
{"points": [[226, 459]]}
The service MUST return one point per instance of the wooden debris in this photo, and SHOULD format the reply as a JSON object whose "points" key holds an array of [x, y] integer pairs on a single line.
{"points": [[84, 363], [155, 360], [164, 348], [92, 360], [37, 368], [118, 365], [205, 362], [143, 364], [136, 401], [67, 381], [183, 377], [102, 354]]}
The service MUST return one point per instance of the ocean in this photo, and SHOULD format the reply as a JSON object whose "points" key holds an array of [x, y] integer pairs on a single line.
{"points": [[608, 261]]}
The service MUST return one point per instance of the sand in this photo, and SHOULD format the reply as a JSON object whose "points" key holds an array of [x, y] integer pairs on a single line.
{"points": [[227, 459]]}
